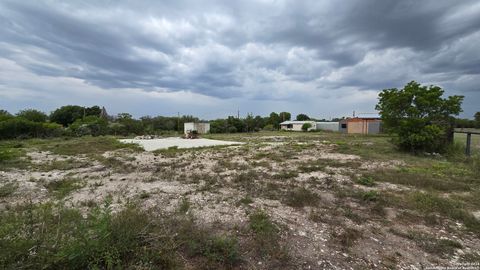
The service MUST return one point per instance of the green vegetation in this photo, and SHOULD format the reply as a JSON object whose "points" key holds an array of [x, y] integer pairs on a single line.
{"points": [[267, 237], [366, 181], [55, 237], [81, 146], [301, 197], [431, 202], [306, 126], [62, 188], [430, 244], [7, 189], [420, 117]]}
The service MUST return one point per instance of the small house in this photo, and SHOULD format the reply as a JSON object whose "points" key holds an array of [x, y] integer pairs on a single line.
{"points": [[200, 128], [361, 125], [297, 125]]}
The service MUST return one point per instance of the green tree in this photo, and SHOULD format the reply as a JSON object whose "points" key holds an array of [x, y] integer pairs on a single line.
{"points": [[302, 117], [93, 111], [66, 115], [33, 115], [419, 115], [4, 115], [274, 120], [306, 126], [477, 119], [90, 125], [285, 116]]}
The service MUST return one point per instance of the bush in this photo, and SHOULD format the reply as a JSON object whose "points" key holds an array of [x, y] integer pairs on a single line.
{"points": [[90, 125], [33, 115], [268, 127], [306, 126], [22, 128]]}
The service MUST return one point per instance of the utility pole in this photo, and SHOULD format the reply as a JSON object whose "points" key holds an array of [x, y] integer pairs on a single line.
{"points": [[178, 122], [238, 114]]}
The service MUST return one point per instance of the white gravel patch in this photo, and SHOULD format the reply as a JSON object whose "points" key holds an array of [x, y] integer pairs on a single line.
{"points": [[154, 144]]}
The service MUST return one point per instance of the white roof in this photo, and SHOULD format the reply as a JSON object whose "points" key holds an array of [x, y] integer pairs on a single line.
{"points": [[296, 122]]}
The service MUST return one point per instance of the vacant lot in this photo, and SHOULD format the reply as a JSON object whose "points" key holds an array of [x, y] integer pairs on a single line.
{"points": [[280, 200]]}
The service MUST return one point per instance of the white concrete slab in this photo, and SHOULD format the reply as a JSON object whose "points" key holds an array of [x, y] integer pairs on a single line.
{"points": [[154, 144]]}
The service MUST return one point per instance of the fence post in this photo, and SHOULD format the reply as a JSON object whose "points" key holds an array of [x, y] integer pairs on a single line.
{"points": [[469, 142]]}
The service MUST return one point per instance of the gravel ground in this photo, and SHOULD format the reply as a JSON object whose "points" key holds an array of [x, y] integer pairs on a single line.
{"points": [[154, 144]]}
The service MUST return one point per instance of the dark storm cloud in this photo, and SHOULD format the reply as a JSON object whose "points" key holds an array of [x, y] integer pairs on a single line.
{"points": [[248, 48]]}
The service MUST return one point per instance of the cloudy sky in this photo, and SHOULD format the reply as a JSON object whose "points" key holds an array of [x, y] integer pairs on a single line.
{"points": [[210, 58]]}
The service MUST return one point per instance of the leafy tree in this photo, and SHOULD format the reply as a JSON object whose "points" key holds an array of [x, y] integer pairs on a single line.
{"points": [[66, 115], [477, 119], [419, 115], [306, 126], [302, 117], [285, 116], [33, 115], [4, 115], [90, 125], [130, 125], [93, 111], [274, 120], [464, 123]]}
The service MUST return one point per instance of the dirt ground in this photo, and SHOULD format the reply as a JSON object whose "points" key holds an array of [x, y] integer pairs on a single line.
{"points": [[337, 223]]}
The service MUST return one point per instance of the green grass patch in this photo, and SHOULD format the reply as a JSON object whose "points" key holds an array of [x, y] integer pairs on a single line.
{"points": [[63, 187], [8, 189], [441, 247], [425, 179], [267, 237], [366, 181], [427, 202], [51, 236], [82, 145]]}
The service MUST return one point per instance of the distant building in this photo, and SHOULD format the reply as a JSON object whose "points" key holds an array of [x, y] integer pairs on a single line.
{"points": [[361, 125], [297, 125], [200, 128], [331, 126]]}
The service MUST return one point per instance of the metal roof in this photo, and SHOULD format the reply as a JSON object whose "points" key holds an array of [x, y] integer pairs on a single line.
{"points": [[296, 122]]}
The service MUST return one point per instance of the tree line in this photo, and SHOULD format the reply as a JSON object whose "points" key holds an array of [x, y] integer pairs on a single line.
{"points": [[73, 120]]}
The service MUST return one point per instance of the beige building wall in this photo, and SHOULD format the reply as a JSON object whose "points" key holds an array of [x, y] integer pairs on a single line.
{"points": [[364, 126], [357, 127]]}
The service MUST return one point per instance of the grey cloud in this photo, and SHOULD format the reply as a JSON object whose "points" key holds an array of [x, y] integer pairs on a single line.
{"points": [[248, 49]]}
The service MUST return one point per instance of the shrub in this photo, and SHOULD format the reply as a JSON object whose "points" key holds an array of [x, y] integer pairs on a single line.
{"points": [[90, 125], [269, 127], [306, 126], [302, 197], [33, 115], [22, 128], [366, 181], [370, 196], [267, 237]]}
